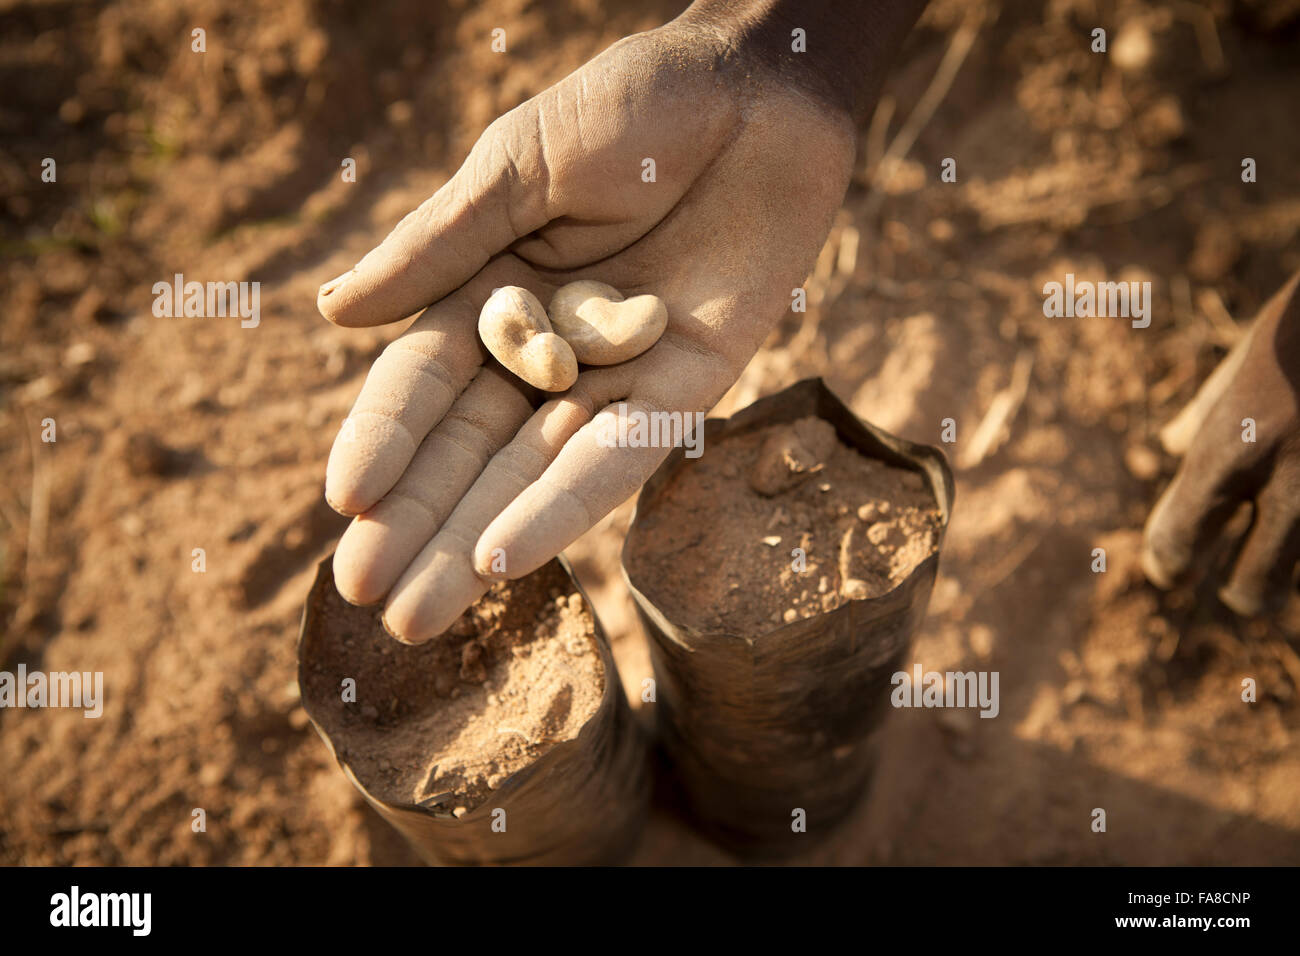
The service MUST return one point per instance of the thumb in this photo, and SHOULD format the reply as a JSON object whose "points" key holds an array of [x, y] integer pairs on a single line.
{"points": [[497, 196]]}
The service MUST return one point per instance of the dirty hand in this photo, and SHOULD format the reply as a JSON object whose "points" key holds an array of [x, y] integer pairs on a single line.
{"points": [[1260, 381], [455, 476]]}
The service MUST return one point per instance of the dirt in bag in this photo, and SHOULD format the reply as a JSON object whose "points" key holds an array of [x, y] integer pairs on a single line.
{"points": [[782, 523], [447, 722]]}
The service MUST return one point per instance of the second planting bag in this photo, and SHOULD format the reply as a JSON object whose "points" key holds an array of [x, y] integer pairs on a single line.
{"points": [[769, 727]]}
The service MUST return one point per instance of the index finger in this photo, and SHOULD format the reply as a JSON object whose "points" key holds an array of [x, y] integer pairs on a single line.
{"points": [[496, 196]]}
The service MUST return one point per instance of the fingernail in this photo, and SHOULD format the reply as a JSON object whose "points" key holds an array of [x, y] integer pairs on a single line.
{"points": [[334, 283], [345, 512], [383, 619], [487, 572]]}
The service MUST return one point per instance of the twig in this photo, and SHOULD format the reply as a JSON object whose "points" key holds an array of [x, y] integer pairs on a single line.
{"points": [[1207, 35], [847, 259], [879, 129], [1226, 330], [1002, 410], [934, 94], [1288, 658], [1009, 563], [38, 516]]}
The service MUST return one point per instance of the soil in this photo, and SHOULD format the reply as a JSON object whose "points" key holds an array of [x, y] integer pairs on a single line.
{"points": [[226, 166], [444, 724], [750, 500]]}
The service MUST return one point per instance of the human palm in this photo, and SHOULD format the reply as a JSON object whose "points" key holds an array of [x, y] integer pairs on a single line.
{"points": [[459, 473]]}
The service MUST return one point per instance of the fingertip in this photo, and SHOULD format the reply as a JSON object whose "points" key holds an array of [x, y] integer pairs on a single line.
{"points": [[1263, 573], [1167, 538], [402, 617], [412, 628], [366, 561], [1156, 571], [352, 587], [1243, 600], [365, 462], [427, 601], [345, 495], [539, 524], [489, 561], [336, 282], [329, 301], [398, 635], [337, 506]]}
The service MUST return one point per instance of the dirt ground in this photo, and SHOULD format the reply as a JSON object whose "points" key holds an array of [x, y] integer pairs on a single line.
{"points": [[177, 434]]}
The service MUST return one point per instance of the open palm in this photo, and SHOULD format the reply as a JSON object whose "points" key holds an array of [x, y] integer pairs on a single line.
{"points": [[447, 460]]}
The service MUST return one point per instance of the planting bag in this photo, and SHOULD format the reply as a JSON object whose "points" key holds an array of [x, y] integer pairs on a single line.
{"points": [[581, 802], [759, 726]]}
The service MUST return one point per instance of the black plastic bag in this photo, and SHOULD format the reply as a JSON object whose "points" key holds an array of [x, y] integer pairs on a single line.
{"points": [[759, 726], [584, 801]]}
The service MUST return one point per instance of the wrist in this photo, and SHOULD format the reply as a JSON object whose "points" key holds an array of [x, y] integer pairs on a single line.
{"points": [[840, 56]]}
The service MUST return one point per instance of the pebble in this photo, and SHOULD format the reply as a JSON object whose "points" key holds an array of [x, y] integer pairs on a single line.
{"points": [[941, 230], [1074, 691], [872, 510], [1132, 48], [1142, 463], [855, 589], [82, 353]]}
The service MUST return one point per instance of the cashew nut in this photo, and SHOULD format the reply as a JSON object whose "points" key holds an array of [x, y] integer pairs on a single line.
{"points": [[514, 327], [604, 328]]}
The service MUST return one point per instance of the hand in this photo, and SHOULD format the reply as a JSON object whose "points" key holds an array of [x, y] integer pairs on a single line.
{"points": [[1259, 380], [447, 460]]}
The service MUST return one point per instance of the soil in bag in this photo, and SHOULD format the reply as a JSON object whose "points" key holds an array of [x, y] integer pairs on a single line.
{"points": [[744, 508], [483, 744], [781, 577]]}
